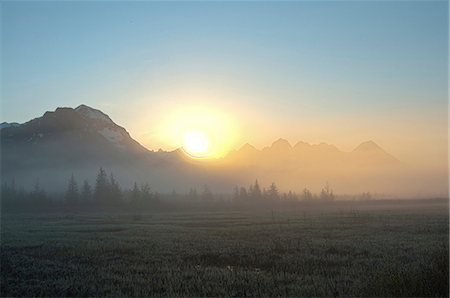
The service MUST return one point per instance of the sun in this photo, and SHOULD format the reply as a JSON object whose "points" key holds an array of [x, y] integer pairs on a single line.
{"points": [[202, 132], [197, 144]]}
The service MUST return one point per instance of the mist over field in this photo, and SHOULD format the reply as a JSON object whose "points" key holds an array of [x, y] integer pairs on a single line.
{"points": [[224, 149], [49, 149]]}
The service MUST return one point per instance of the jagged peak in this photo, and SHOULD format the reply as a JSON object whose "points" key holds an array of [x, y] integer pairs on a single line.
{"points": [[301, 144], [92, 113], [248, 147], [367, 146], [281, 144], [9, 124]]}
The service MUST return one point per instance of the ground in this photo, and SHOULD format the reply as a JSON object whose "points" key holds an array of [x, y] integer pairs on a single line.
{"points": [[343, 249]]}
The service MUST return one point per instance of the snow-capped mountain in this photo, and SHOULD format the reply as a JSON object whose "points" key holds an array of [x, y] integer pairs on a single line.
{"points": [[81, 127], [65, 141], [6, 124]]}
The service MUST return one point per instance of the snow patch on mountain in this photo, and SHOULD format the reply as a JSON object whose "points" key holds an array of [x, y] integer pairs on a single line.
{"points": [[6, 124], [113, 136], [93, 113]]}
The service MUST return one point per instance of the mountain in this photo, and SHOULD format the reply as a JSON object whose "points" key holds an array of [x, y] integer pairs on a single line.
{"points": [[6, 124], [68, 140], [370, 153], [52, 147], [301, 154], [80, 135], [279, 146]]}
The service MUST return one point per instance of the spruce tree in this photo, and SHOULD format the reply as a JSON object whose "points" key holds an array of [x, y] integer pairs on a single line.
{"points": [[101, 186], [135, 195], [87, 191], [207, 195], [272, 193], [72, 191], [114, 190]]}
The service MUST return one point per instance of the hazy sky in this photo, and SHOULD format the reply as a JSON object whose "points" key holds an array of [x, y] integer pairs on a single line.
{"points": [[338, 72]]}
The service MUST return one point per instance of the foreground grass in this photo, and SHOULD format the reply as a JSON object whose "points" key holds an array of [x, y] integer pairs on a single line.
{"points": [[384, 249]]}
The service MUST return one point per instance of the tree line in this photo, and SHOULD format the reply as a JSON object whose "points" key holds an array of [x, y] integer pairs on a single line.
{"points": [[272, 193], [107, 193]]}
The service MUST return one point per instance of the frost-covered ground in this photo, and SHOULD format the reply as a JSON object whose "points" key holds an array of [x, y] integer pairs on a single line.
{"points": [[383, 249]]}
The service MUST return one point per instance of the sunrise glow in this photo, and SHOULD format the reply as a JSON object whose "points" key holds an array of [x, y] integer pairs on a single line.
{"points": [[203, 132], [197, 144]]}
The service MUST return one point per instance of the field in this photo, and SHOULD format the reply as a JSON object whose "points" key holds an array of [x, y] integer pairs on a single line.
{"points": [[344, 249]]}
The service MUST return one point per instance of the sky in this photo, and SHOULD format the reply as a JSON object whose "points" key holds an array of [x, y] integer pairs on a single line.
{"points": [[340, 72]]}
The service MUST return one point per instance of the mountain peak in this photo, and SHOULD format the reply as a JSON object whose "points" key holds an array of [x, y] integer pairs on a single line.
{"points": [[7, 125], [301, 144], [281, 144], [92, 113], [367, 146], [248, 148]]}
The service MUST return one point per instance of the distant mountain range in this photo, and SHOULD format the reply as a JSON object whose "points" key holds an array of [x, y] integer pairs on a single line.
{"points": [[304, 154], [81, 140]]}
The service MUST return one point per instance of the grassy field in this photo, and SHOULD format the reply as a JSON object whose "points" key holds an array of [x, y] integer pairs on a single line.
{"points": [[345, 249]]}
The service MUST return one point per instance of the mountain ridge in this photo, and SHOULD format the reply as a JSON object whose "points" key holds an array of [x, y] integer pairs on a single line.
{"points": [[81, 140]]}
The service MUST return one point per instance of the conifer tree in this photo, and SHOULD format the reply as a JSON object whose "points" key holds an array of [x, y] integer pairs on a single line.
{"points": [[307, 195], [272, 193], [101, 186], [207, 195], [115, 193], [135, 195], [87, 191], [255, 191], [193, 194], [72, 191]]}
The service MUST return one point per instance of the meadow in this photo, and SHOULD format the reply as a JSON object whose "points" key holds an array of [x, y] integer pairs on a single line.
{"points": [[343, 249]]}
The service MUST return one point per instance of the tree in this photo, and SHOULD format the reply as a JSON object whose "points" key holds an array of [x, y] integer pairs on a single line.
{"points": [[272, 193], [9, 192], [38, 193], [115, 193], [291, 196], [243, 193], [135, 195], [236, 197], [327, 193], [307, 195], [86, 193], [193, 194], [207, 195], [366, 196], [146, 194], [255, 191], [72, 191], [101, 186]]}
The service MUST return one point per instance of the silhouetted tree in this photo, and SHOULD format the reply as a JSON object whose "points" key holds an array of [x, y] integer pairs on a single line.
{"points": [[101, 186], [72, 194], [236, 197], [366, 196], [135, 195], [327, 193], [243, 194], [86, 193], [291, 196], [193, 194], [272, 193], [115, 194], [9, 192], [255, 191], [146, 194], [38, 194], [307, 195], [207, 195]]}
